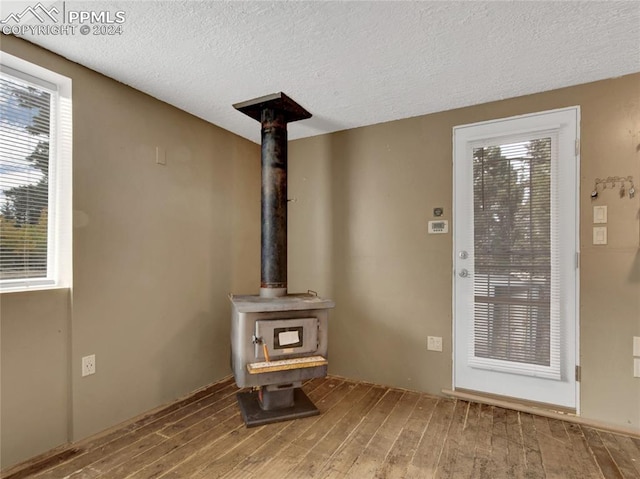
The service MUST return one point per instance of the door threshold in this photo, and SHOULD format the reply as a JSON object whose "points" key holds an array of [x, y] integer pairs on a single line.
{"points": [[540, 409], [562, 410]]}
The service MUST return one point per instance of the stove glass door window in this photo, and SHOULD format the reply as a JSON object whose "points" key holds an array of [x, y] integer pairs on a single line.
{"points": [[287, 338]]}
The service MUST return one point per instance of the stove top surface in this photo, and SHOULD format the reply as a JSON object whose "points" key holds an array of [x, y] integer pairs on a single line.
{"points": [[290, 302]]}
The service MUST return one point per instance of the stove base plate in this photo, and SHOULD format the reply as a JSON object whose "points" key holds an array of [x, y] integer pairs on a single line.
{"points": [[253, 415]]}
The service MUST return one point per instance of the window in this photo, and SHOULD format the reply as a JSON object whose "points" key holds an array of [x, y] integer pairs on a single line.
{"points": [[35, 177], [512, 233]]}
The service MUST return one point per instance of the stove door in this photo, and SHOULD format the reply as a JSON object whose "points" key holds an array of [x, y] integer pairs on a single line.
{"points": [[286, 337]]}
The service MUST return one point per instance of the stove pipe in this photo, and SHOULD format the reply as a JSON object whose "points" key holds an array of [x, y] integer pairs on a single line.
{"points": [[273, 112]]}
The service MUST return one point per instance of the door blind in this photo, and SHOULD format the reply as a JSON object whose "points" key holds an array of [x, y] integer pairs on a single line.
{"points": [[514, 288]]}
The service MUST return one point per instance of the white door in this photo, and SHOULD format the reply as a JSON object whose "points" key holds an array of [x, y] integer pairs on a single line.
{"points": [[516, 257]]}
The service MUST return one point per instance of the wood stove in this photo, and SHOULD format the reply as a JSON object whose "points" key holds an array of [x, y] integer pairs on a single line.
{"points": [[278, 340]]}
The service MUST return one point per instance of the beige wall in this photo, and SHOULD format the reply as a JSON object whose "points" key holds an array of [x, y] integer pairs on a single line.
{"points": [[358, 233], [35, 386], [156, 251]]}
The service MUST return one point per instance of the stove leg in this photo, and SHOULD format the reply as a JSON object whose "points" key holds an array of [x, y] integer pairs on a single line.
{"points": [[276, 397]]}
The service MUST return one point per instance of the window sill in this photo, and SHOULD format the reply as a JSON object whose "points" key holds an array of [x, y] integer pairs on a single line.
{"points": [[28, 289]]}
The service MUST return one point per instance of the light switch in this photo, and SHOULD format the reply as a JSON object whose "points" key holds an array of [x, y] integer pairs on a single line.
{"points": [[636, 367], [599, 235], [599, 214], [636, 346], [161, 156]]}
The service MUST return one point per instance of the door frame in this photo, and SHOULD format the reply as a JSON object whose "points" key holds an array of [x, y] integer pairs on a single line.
{"points": [[511, 130]]}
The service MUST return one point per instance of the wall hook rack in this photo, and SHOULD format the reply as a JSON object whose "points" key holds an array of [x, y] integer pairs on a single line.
{"points": [[624, 184]]}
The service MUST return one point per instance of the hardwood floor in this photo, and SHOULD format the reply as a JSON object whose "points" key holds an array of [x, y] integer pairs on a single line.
{"points": [[364, 431]]}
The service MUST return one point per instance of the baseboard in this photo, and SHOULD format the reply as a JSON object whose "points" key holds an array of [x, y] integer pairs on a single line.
{"points": [[43, 461]]}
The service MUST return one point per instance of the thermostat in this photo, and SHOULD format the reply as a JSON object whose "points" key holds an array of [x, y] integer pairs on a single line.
{"points": [[438, 226]]}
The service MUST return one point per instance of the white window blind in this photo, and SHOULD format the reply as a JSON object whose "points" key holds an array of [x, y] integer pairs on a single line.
{"points": [[35, 176], [515, 286], [24, 182]]}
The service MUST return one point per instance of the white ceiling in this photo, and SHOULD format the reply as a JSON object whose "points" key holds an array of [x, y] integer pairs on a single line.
{"points": [[353, 63]]}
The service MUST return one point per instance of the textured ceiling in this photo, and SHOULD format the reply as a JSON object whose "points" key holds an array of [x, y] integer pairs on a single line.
{"points": [[353, 63]]}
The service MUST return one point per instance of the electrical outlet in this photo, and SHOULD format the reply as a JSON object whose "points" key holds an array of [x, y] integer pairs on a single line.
{"points": [[636, 346], [434, 343], [636, 367], [89, 365]]}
